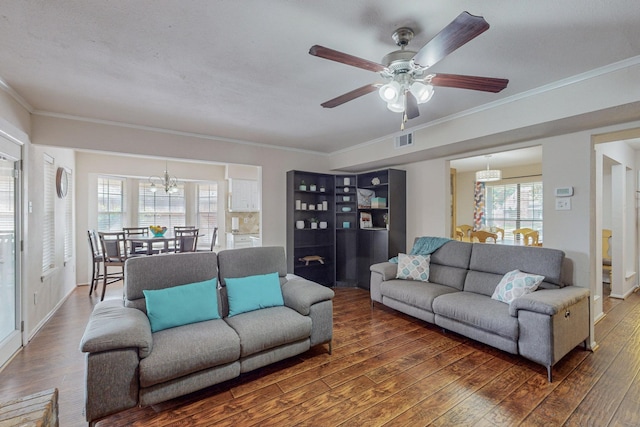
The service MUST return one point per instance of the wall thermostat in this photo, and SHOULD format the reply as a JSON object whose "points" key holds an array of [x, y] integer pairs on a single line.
{"points": [[564, 191]]}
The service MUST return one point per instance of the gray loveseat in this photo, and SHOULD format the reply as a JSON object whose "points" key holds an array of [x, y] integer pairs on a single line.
{"points": [[127, 365], [543, 326]]}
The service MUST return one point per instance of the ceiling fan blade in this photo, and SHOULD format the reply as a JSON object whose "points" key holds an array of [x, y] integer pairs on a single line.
{"points": [[412, 106], [461, 30], [349, 96], [485, 84], [345, 58]]}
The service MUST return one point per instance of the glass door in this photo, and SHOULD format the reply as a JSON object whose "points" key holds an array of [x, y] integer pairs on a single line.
{"points": [[10, 335]]}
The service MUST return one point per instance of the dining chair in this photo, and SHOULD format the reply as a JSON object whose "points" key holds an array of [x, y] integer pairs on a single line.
{"points": [[522, 232], [136, 248], [114, 251], [186, 240], [606, 252], [97, 258], [182, 228], [531, 238], [499, 231], [214, 237], [466, 229], [483, 236]]}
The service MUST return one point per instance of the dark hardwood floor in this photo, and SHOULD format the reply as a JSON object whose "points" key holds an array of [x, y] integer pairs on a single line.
{"points": [[386, 369]]}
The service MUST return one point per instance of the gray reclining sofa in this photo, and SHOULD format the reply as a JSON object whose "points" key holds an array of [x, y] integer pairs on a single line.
{"points": [[543, 326], [128, 365]]}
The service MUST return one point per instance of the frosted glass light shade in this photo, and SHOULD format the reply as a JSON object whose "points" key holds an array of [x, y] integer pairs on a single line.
{"points": [[421, 91], [390, 91], [488, 175]]}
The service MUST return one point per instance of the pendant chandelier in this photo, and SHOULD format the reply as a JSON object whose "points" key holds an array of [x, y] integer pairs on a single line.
{"points": [[168, 182], [488, 174]]}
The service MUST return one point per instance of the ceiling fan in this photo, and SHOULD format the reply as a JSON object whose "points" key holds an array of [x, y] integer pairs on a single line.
{"points": [[407, 81]]}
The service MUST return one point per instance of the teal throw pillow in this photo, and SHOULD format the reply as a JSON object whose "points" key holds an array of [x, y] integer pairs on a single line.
{"points": [[253, 293], [515, 284], [182, 305]]}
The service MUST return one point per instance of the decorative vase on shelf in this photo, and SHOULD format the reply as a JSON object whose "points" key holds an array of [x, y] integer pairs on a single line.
{"points": [[322, 189], [312, 187], [323, 224], [314, 225], [299, 225], [303, 186]]}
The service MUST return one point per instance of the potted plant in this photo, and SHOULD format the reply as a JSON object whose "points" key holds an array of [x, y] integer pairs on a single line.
{"points": [[303, 186], [314, 222]]}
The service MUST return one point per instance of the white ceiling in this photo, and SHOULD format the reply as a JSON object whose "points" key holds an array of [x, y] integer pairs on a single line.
{"points": [[240, 70]]}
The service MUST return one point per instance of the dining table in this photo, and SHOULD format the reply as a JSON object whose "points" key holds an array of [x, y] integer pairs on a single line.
{"points": [[148, 243]]}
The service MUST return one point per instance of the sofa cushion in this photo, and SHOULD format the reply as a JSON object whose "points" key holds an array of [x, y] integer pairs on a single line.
{"points": [[413, 267], [454, 254], [515, 284], [500, 259], [186, 349], [482, 283], [487, 314], [266, 328], [253, 293], [415, 293], [252, 261], [181, 305], [165, 271]]}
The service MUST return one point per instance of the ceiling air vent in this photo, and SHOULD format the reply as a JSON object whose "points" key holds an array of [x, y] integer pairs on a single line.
{"points": [[404, 140]]}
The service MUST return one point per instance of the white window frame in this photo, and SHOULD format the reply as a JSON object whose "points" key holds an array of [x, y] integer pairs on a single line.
{"points": [[150, 207], [212, 209], [104, 200], [516, 202], [48, 217]]}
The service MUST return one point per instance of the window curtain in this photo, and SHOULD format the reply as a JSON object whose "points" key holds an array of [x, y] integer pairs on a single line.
{"points": [[479, 206]]}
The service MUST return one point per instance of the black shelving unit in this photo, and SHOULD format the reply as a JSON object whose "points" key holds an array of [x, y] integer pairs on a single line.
{"points": [[347, 249], [387, 235], [346, 214], [311, 226]]}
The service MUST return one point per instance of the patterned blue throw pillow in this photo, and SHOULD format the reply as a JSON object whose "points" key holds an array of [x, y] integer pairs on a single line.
{"points": [[515, 284], [413, 267]]}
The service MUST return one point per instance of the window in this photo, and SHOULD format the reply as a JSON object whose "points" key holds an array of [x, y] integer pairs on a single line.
{"points": [[513, 206], [68, 220], [207, 211], [48, 221], [160, 208], [110, 204]]}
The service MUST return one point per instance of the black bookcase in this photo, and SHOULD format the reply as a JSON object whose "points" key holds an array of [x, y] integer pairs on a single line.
{"points": [[385, 236], [347, 249], [310, 226]]}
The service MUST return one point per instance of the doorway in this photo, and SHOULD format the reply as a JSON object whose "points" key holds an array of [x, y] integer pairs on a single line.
{"points": [[10, 313]]}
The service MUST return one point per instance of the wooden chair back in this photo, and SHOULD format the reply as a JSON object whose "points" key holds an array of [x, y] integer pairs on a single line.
{"points": [[214, 237], [466, 229], [483, 236]]}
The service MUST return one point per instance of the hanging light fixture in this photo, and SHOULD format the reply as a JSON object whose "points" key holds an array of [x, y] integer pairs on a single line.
{"points": [[168, 182], [487, 174]]}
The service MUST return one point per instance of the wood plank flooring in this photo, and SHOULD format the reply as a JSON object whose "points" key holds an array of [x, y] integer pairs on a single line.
{"points": [[387, 369]]}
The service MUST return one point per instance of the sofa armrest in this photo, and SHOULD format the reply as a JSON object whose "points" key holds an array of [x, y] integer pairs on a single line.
{"points": [[387, 270], [115, 327], [548, 301], [300, 294]]}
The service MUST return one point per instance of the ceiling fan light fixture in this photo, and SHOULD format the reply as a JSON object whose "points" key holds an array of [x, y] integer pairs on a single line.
{"points": [[422, 92], [390, 92], [397, 105]]}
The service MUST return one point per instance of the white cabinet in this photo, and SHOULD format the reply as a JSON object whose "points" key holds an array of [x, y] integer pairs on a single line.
{"points": [[244, 195], [236, 241]]}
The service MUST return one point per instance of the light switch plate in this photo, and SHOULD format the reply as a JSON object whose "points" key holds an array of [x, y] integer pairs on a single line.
{"points": [[563, 203]]}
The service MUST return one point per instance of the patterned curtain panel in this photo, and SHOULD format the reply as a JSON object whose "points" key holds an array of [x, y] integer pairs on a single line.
{"points": [[478, 206]]}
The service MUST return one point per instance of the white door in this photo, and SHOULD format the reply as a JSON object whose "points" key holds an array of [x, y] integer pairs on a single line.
{"points": [[10, 317]]}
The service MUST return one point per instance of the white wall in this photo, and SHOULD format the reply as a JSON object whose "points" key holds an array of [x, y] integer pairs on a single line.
{"points": [[43, 294]]}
